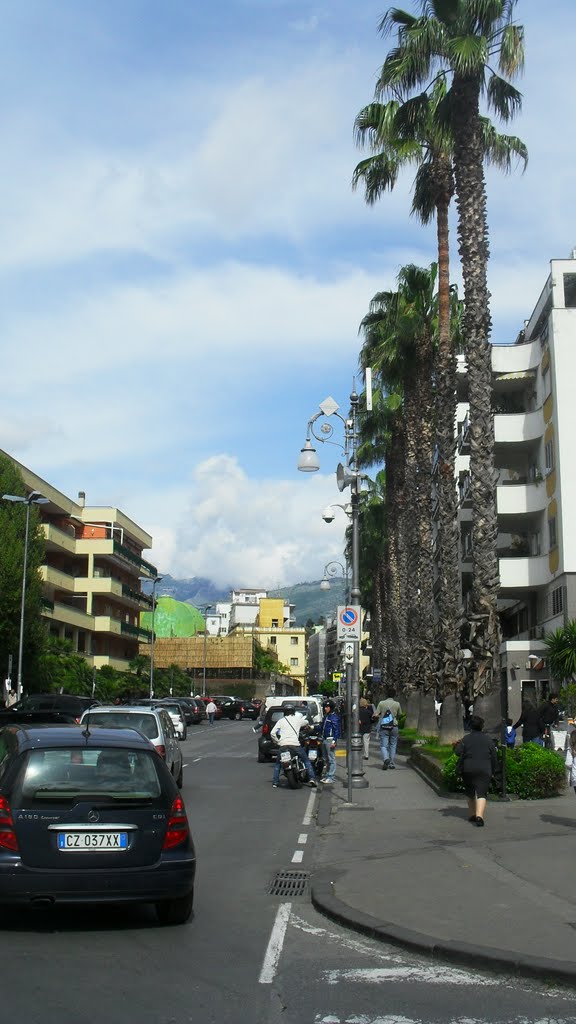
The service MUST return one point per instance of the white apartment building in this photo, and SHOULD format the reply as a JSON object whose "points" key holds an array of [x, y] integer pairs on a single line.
{"points": [[535, 434]]}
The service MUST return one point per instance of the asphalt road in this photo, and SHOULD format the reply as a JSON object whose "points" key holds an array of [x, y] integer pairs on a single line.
{"points": [[249, 956]]}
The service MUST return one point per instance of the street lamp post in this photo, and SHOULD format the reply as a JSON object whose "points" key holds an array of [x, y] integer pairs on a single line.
{"points": [[206, 610], [347, 475], [155, 582], [34, 498]]}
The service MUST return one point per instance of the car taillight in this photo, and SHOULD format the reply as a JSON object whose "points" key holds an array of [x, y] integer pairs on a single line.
{"points": [[77, 720], [265, 729], [177, 830], [161, 750], [8, 840]]}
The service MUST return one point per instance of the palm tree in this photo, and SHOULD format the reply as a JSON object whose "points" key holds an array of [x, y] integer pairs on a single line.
{"points": [[412, 132], [460, 39], [399, 332]]}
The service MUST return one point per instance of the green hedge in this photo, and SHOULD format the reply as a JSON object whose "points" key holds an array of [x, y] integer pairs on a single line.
{"points": [[532, 773]]}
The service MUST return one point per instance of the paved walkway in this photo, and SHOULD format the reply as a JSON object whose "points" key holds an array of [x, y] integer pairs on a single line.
{"points": [[405, 865]]}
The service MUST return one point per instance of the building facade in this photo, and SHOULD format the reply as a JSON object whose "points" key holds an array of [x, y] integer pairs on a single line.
{"points": [[535, 427], [91, 575]]}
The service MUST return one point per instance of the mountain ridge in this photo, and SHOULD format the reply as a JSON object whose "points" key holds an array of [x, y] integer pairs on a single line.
{"points": [[310, 602]]}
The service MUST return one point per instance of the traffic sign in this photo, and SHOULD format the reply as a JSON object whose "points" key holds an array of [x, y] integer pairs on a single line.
{"points": [[349, 651], [348, 627]]}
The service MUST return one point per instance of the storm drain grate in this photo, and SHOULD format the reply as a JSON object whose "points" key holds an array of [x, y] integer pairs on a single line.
{"points": [[289, 883]]}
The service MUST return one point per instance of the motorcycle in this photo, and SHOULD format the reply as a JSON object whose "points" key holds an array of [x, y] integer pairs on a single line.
{"points": [[293, 767], [315, 751]]}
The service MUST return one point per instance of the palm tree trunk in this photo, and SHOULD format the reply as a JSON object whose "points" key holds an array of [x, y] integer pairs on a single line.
{"points": [[484, 638]]}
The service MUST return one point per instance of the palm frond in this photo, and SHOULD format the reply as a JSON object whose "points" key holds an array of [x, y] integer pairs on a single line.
{"points": [[503, 97]]}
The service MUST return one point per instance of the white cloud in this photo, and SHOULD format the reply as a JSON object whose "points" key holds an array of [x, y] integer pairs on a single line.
{"points": [[246, 532]]}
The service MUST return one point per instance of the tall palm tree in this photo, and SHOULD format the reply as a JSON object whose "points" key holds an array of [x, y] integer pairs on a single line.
{"points": [[461, 39], [399, 332]]}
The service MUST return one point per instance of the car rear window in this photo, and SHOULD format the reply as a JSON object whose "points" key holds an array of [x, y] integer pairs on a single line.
{"points": [[66, 773], [146, 724]]}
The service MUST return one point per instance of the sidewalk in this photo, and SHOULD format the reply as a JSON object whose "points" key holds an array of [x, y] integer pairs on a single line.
{"points": [[404, 865]]}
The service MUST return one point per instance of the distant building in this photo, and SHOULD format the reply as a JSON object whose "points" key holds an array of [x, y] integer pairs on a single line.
{"points": [[91, 585]]}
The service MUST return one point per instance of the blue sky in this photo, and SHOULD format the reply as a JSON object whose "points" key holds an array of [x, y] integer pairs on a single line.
{"points": [[183, 265]]}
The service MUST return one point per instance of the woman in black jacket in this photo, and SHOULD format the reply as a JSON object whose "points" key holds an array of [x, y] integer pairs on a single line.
{"points": [[477, 763]]}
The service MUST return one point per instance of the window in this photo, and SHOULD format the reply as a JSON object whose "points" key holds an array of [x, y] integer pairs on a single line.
{"points": [[293, 662], [546, 382], [570, 291], [549, 456], [294, 641], [552, 540], [274, 623], [557, 601], [273, 640]]}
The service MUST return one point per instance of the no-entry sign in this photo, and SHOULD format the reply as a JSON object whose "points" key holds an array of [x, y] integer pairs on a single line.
{"points": [[348, 622]]}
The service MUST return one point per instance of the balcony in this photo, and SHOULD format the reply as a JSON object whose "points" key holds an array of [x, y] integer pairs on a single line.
{"points": [[138, 631], [57, 539], [464, 437], [515, 498], [103, 546], [523, 572], [518, 427], [136, 596], [107, 624], [465, 490], [57, 579], [72, 617]]}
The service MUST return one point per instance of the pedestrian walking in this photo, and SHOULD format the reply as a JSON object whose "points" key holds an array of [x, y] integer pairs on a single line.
{"points": [[477, 764], [386, 715], [330, 733], [366, 713], [210, 712], [570, 760], [11, 698], [532, 724]]}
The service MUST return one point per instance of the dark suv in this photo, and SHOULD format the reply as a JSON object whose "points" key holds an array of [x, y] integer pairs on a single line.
{"points": [[236, 707], [67, 706], [267, 748]]}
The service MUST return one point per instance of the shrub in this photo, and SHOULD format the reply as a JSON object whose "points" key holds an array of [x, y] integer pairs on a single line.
{"points": [[532, 773]]}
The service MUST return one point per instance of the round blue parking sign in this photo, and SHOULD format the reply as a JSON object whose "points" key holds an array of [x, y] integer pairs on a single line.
{"points": [[349, 617]]}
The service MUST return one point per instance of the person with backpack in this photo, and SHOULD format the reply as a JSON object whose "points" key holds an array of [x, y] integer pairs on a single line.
{"points": [[386, 715]]}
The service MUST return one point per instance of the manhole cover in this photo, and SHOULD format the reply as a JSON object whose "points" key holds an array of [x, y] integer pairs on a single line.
{"points": [[288, 883]]}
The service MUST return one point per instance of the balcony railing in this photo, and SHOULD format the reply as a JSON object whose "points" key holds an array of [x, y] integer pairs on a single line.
{"points": [[136, 595], [131, 556], [131, 630], [464, 437]]}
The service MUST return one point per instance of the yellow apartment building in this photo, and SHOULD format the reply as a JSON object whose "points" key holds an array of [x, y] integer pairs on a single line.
{"points": [[287, 642], [91, 571]]}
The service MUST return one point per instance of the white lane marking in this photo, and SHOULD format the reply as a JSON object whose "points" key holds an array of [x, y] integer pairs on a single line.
{"points": [[432, 975], [302, 839], [196, 759], [185, 765], [309, 808], [297, 858], [276, 941], [396, 1019]]}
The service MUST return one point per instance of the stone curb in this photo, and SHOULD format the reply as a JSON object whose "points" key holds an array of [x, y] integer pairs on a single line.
{"points": [[324, 900]]}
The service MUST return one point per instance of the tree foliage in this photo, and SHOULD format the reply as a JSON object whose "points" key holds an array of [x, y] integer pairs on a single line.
{"points": [[12, 532]]}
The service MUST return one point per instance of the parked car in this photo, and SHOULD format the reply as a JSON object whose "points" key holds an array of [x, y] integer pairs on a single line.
{"points": [[176, 713], [174, 709], [196, 710], [154, 723], [236, 707], [267, 748], [92, 816], [61, 703]]}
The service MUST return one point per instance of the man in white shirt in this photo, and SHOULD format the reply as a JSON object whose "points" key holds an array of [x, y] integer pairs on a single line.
{"points": [[286, 733]]}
